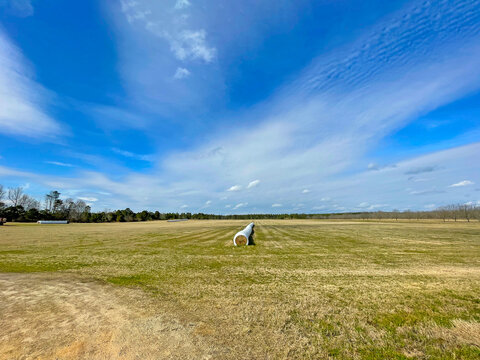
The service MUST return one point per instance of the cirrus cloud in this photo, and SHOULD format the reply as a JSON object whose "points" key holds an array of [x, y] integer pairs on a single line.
{"points": [[462, 183], [253, 183]]}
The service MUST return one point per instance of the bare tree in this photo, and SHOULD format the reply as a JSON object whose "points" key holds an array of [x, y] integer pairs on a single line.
{"points": [[67, 207], [28, 202], [76, 209], [14, 195], [452, 211], [466, 209], [395, 214], [408, 214], [476, 212], [443, 213]]}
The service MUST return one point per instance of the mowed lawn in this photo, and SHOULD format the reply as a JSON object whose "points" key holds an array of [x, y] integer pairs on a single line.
{"points": [[307, 289]]}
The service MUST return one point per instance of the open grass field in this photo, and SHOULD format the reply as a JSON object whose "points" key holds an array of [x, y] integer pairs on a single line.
{"points": [[307, 289]]}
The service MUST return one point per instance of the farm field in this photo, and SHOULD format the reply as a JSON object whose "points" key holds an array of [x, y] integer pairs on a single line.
{"points": [[308, 289]]}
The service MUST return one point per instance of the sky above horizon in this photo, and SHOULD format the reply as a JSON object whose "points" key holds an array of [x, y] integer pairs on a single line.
{"points": [[242, 106]]}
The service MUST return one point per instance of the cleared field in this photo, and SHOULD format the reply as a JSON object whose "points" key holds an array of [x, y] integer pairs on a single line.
{"points": [[308, 289]]}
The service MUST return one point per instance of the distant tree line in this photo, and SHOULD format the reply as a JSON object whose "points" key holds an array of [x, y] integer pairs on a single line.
{"points": [[15, 205]]}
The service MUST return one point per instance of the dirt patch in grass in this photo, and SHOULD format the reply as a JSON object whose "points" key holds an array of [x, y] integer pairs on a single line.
{"points": [[48, 316]]}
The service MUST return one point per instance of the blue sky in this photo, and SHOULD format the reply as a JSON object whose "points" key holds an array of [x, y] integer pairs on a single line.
{"points": [[242, 106]]}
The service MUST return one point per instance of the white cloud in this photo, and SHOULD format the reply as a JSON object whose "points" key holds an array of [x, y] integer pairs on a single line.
{"points": [[184, 206], [305, 191], [132, 11], [426, 192], [87, 198], [376, 167], [240, 205], [376, 206], [253, 183], [5, 171], [185, 43], [182, 4], [372, 166], [22, 100], [193, 45], [58, 163], [462, 183], [157, 40], [132, 155], [235, 188], [276, 205], [181, 73], [208, 202]]}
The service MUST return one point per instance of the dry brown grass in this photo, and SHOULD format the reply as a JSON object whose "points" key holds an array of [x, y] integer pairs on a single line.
{"points": [[308, 289], [56, 316]]}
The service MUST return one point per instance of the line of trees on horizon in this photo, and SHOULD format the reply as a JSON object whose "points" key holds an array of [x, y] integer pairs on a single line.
{"points": [[22, 207]]}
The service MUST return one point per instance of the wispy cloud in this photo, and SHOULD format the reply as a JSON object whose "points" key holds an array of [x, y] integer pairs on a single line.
{"points": [[58, 163], [87, 198], [305, 191], [132, 155], [365, 206], [182, 4], [181, 73], [23, 102], [185, 43], [426, 192], [253, 183], [132, 11], [421, 170], [462, 183], [188, 44], [240, 205], [234, 188], [376, 167], [276, 205]]}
